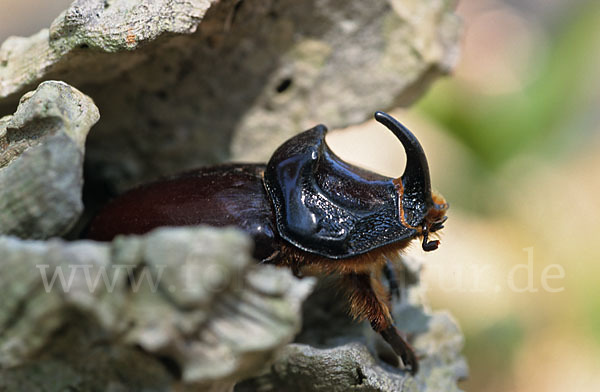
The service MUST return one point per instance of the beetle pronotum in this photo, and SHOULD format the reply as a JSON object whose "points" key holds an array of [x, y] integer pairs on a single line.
{"points": [[306, 209]]}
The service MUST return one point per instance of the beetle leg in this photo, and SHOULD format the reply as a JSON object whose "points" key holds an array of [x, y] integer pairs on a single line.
{"points": [[367, 300], [390, 274], [272, 259], [277, 258], [296, 271], [401, 348]]}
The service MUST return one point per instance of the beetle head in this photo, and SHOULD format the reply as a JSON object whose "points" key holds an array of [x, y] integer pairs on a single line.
{"points": [[329, 207], [420, 207]]}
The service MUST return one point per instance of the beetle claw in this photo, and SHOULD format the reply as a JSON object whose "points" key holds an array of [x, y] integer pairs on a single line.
{"points": [[401, 348]]}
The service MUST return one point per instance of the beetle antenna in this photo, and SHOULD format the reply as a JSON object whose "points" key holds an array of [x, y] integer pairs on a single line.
{"points": [[415, 179]]}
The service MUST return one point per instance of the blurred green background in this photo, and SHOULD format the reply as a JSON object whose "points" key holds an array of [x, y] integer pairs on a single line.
{"points": [[522, 113], [513, 138]]}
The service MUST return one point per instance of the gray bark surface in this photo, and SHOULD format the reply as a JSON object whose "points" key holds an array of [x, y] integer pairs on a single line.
{"points": [[177, 308]]}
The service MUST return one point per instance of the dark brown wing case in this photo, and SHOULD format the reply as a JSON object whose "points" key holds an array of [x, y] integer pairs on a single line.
{"points": [[226, 195]]}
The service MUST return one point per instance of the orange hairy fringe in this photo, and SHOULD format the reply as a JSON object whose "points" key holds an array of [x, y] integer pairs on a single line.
{"points": [[359, 278], [312, 264]]}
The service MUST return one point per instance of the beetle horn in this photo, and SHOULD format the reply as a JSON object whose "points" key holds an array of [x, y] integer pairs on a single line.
{"points": [[415, 179]]}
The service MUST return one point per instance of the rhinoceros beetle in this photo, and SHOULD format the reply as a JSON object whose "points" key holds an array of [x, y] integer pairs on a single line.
{"points": [[306, 209]]}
